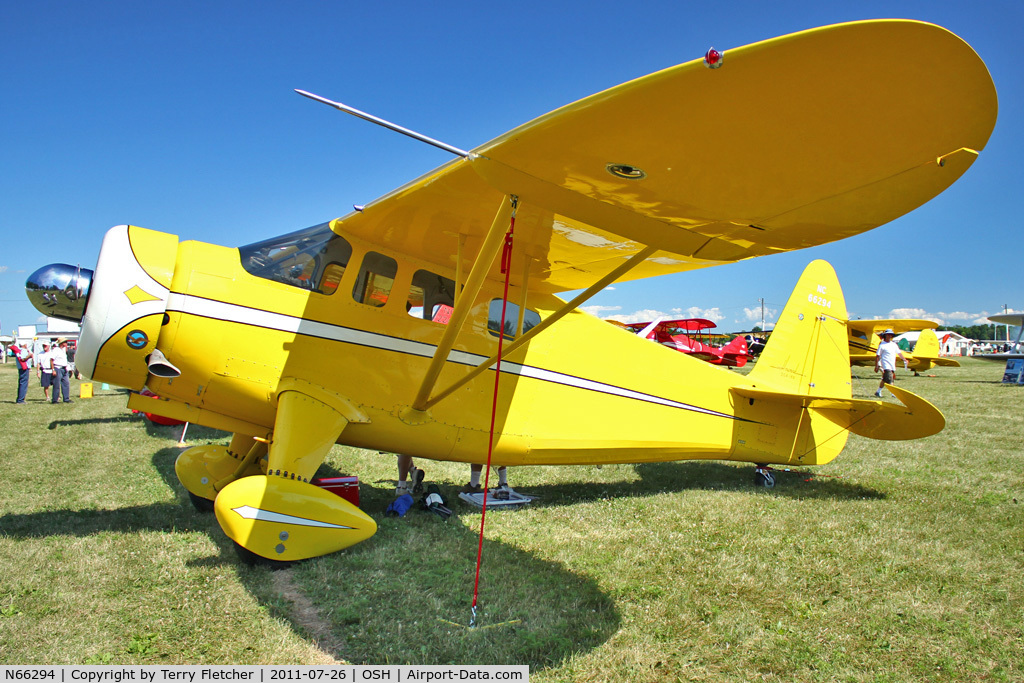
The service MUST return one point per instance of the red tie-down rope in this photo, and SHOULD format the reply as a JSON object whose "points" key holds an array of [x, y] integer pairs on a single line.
{"points": [[506, 269]]}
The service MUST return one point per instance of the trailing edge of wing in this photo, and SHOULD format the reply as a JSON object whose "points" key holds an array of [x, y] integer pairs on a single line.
{"points": [[875, 419], [899, 326], [792, 143]]}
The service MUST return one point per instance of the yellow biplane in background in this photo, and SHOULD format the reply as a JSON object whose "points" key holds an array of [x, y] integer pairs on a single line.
{"points": [[864, 338], [381, 329]]}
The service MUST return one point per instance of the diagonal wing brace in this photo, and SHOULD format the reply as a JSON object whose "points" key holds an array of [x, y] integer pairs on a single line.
{"points": [[492, 244], [609, 278]]}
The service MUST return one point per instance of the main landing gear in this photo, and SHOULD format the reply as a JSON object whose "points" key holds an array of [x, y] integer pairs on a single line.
{"points": [[263, 499]]}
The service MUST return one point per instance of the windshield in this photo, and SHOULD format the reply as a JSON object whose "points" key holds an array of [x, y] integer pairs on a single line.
{"points": [[312, 259]]}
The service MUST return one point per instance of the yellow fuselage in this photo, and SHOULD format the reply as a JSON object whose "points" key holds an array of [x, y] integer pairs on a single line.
{"points": [[567, 397], [581, 392]]}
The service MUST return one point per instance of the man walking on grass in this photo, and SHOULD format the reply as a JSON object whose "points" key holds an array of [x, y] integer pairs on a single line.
{"points": [[885, 360]]}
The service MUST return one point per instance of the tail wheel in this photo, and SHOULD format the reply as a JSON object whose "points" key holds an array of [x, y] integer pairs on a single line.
{"points": [[763, 477]]}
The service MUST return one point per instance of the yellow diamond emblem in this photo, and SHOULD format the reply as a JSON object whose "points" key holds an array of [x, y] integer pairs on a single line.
{"points": [[137, 295]]}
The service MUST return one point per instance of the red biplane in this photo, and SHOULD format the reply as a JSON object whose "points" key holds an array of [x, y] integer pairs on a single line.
{"points": [[689, 335]]}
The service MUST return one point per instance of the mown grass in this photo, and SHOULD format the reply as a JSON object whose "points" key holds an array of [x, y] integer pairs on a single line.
{"points": [[900, 561]]}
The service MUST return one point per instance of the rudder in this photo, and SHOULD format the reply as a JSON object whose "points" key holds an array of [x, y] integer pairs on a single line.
{"points": [[735, 353], [927, 344], [808, 352]]}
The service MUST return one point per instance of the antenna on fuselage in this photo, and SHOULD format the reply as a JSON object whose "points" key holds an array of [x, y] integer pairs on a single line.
{"points": [[387, 124]]}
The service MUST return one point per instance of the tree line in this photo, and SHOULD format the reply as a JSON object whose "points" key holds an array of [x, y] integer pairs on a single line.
{"points": [[989, 331]]}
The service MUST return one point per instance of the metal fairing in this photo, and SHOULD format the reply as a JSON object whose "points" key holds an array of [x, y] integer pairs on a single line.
{"points": [[126, 297]]}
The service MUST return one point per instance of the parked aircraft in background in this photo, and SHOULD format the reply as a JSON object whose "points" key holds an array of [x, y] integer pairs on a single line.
{"points": [[755, 343], [337, 333], [1014, 349], [689, 335], [862, 336]]}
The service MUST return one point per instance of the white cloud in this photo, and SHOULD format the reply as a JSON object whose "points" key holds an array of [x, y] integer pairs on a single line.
{"points": [[942, 318], [649, 314], [714, 314], [598, 310], [909, 313], [641, 316], [753, 315], [3, 269]]}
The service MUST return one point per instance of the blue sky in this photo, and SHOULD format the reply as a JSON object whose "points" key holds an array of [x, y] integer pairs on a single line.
{"points": [[181, 117]]}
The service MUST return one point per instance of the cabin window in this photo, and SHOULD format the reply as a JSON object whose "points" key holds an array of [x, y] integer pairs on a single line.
{"points": [[431, 297], [376, 277], [530, 319], [313, 259], [332, 278]]}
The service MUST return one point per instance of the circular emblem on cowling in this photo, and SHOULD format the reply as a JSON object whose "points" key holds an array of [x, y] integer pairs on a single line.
{"points": [[137, 339]]}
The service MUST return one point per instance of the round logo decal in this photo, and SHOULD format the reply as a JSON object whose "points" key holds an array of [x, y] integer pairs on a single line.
{"points": [[137, 339]]}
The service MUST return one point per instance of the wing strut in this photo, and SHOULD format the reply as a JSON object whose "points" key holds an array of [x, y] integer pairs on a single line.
{"points": [[615, 274], [493, 242], [388, 124]]}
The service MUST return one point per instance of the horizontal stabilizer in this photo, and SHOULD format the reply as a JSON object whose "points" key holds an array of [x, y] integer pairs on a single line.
{"points": [[914, 419]]}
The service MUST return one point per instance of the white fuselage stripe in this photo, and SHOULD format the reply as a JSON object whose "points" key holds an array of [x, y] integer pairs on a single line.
{"points": [[219, 310]]}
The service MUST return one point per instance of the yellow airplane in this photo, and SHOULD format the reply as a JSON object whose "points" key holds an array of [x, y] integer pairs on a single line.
{"points": [[381, 329], [864, 337]]}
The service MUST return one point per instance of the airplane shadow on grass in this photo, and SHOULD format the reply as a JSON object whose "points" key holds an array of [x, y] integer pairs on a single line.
{"points": [[194, 432], [678, 476], [91, 420], [404, 596]]}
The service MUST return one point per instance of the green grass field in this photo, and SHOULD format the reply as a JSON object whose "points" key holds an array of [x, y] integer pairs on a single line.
{"points": [[900, 561]]}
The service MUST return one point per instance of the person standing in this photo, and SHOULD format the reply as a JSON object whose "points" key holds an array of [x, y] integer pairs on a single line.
{"points": [[885, 360], [44, 371], [501, 491], [72, 368], [21, 358], [408, 471], [59, 363]]}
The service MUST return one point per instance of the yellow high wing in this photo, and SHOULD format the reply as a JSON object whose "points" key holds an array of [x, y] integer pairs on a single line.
{"points": [[863, 337], [793, 142]]}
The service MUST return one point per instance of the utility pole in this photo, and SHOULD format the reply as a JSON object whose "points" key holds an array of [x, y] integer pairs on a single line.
{"points": [[1007, 325], [762, 314]]}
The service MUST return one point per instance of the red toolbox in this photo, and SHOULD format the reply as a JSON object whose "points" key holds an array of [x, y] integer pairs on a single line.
{"points": [[346, 487]]}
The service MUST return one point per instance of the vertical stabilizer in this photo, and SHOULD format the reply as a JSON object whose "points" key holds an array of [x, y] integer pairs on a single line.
{"points": [[800, 391], [808, 352], [927, 345]]}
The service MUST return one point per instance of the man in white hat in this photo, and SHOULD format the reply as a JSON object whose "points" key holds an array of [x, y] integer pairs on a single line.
{"points": [[44, 371], [59, 363], [885, 360]]}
